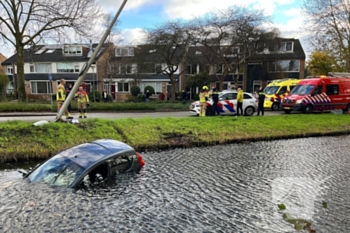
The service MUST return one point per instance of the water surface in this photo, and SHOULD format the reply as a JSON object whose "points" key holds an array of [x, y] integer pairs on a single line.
{"points": [[231, 188]]}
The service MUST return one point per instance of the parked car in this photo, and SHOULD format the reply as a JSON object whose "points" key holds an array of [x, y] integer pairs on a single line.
{"points": [[88, 163], [228, 104]]}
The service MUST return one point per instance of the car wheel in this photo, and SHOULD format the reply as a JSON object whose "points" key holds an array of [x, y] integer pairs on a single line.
{"points": [[249, 111], [308, 109], [275, 107], [287, 111]]}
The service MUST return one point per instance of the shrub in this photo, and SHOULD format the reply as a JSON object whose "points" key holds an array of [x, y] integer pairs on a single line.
{"points": [[135, 90], [141, 98], [97, 95], [150, 89]]}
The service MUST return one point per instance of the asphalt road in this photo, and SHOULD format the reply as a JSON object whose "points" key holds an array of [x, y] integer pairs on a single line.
{"points": [[51, 116]]}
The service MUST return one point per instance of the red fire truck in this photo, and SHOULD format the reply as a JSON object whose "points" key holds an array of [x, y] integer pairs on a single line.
{"points": [[321, 93]]}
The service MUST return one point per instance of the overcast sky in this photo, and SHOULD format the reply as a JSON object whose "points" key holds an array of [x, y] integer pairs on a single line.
{"points": [[142, 14]]}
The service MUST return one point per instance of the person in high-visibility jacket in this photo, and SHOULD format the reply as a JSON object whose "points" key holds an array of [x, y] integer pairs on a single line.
{"points": [[203, 97], [61, 97], [240, 97], [83, 102]]}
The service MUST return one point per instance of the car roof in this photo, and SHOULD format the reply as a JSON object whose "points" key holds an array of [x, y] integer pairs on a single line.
{"points": [[87, 154], [233, 91]]}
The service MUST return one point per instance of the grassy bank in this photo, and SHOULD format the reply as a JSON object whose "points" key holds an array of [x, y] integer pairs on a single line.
{"points": [[22, 141]]}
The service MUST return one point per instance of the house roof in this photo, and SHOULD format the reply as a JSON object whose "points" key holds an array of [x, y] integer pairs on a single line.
{"points": [[53, 53]]}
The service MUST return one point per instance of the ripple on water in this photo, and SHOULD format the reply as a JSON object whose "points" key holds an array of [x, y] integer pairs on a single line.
{"points": [[231, 188]]}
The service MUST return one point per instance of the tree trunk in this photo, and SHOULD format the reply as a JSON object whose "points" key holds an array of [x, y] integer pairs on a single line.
{"points": [[221, 84], [222, 79], [348, 61], [21, 90], [173, 90]]}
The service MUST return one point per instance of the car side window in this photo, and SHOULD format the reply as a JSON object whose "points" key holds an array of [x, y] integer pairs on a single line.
{"points": [[228, 96], [282, 90], [291, 88], [96, 176], [246, 96], [122, 163]]}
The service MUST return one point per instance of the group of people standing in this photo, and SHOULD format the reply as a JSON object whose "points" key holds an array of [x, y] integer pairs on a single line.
{"points": [[204, 95], [82, 98]]}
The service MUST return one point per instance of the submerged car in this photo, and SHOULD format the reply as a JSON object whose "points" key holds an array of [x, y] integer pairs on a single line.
{"points": [[227, 104], [96, 161]]}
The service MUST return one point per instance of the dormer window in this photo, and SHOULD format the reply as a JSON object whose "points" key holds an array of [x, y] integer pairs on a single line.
{"points": [[286, 47], [124, 52], [72, 50]]}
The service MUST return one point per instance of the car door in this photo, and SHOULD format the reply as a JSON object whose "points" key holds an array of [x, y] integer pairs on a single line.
{"points": [[227, 103], [248, 100]]}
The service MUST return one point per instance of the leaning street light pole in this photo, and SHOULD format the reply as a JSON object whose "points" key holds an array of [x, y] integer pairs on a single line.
{"points": [[87, 65]]}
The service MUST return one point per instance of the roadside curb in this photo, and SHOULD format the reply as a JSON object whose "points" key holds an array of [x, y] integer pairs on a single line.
{"points": [[14, 114]]}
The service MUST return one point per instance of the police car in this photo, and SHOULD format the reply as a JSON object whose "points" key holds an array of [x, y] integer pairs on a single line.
{"points": [[227, 104]]}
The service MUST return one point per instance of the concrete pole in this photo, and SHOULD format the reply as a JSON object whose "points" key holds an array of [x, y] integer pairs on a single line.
{"points": [[87, 65]]}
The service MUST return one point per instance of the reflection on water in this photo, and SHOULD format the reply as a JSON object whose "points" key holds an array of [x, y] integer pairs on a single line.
{"points": [[233, 188]]}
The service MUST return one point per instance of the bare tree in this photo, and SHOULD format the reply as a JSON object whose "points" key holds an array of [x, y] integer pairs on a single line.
{"points": [[167, 44], [328, 22], [27, 22], [227, 39]]}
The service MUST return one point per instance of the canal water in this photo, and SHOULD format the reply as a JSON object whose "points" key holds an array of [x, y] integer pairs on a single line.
{"points": [[230, 188]]}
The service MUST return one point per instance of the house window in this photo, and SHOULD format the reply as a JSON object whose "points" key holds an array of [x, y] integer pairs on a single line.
{"points": [[40, 87], [218, 69], [76, 68], [215, 69], [123, 87], [72, 50], [31, 68], [113, 69], [9, 70], [43, 68], [129, 69], [65, 67], [284, 66], [122, 69], [106, 87], [192, 69], [145, 68], [286, 46], [158, 68], [124, 52], [157, 86]]}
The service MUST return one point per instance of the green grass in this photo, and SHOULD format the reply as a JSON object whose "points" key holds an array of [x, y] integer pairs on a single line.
{"points": [[22, 141]]}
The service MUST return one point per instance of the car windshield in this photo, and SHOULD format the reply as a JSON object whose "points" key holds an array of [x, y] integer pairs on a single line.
{"points": [[271, 90], [302, 90], [57, 171]]}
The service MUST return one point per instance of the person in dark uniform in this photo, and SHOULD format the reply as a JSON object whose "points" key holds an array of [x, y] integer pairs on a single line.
{"points": [[215, 97], [68, 90], [261, 99]]}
